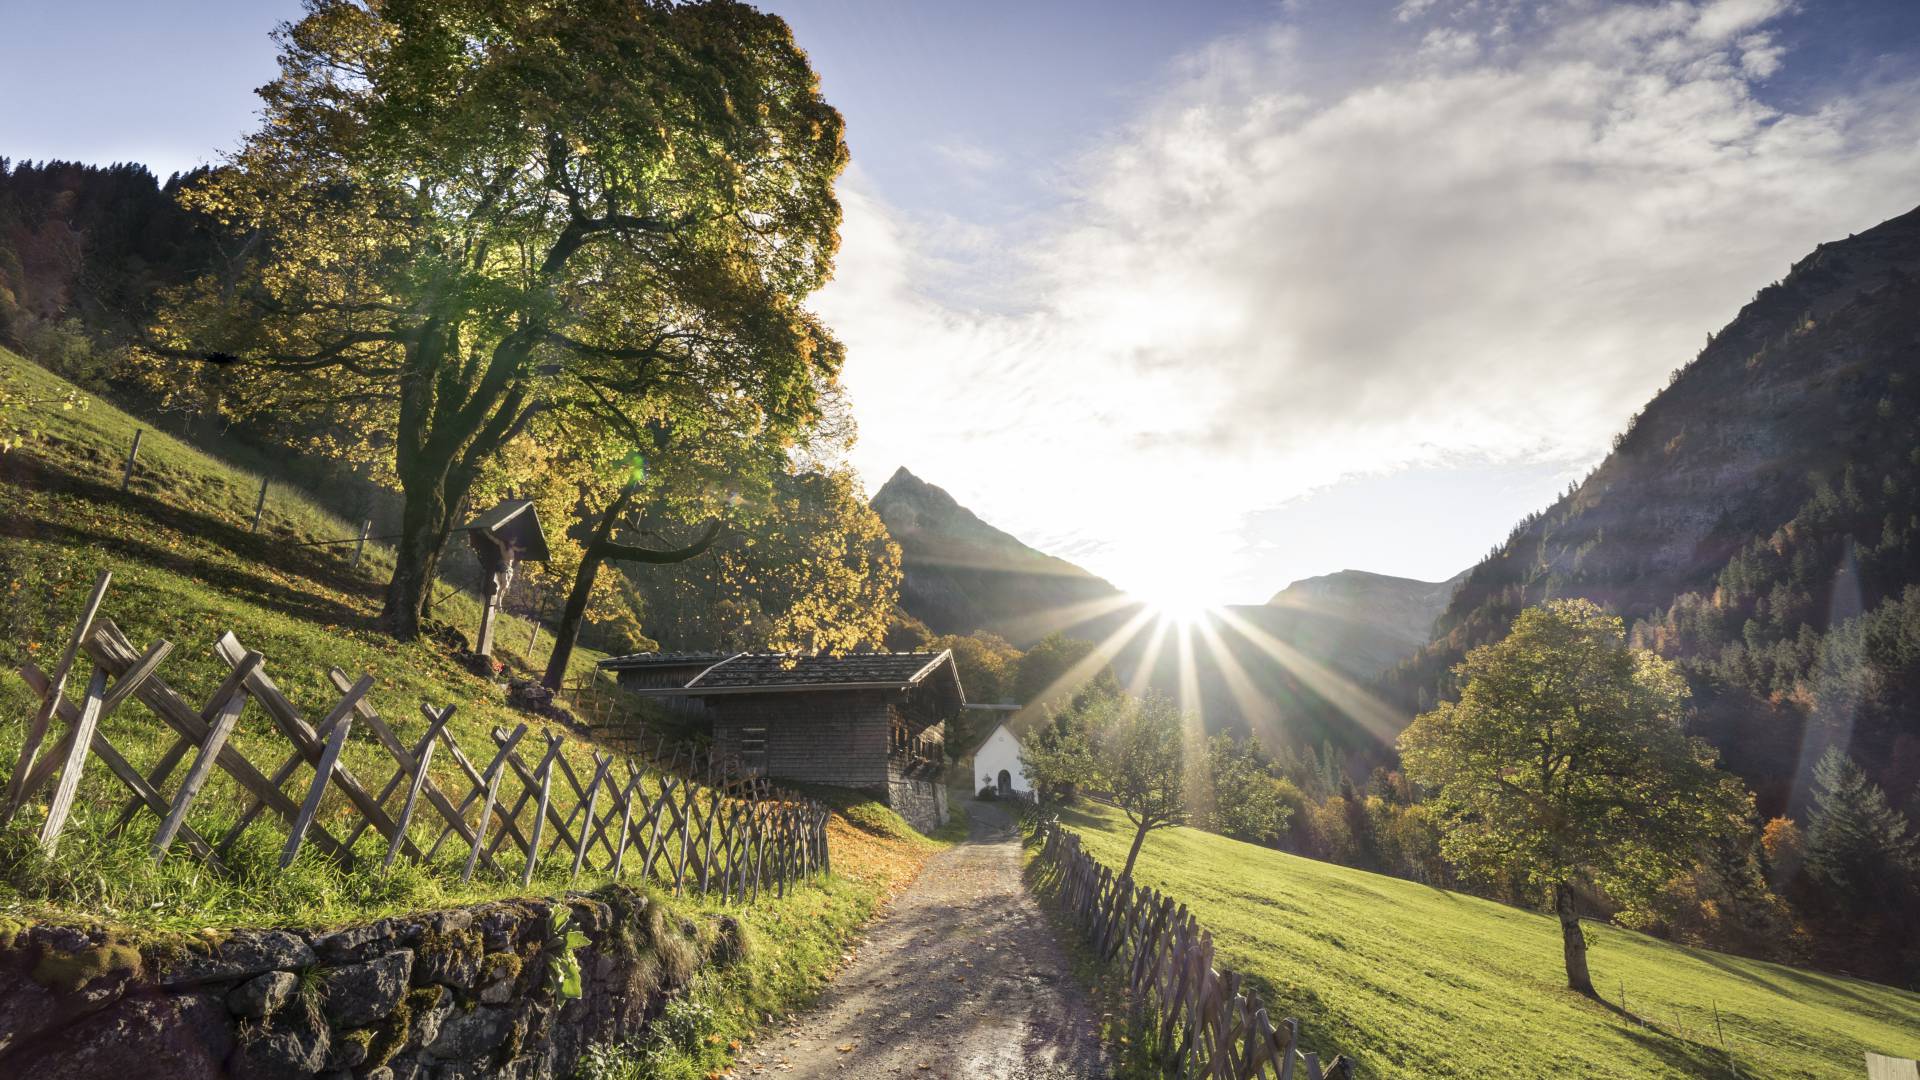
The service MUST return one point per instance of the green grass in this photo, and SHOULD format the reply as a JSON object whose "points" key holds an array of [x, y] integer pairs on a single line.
{"points": [[186, 568], [1414, 981]]}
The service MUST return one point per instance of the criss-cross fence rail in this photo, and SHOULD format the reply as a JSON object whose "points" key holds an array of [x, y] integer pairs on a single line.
{"points": [[1206, 1024], [689, 822]]}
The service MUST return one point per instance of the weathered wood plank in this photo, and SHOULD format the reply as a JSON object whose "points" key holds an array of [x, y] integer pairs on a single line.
{"points": [[118, 765], [50, 701], [176, 753], [593, 793], [305, 738], [322, 776], [626, 819], [203, 763], [456, 819], [74, 764], [540, 814], [110, 647], [423, 761], [491, 779]]}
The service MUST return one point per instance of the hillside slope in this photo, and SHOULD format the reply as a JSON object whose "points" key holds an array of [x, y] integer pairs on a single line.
{"points": [[185, 568], [1373, 621], [1767, 496], [1417, 982], [962, 574]]}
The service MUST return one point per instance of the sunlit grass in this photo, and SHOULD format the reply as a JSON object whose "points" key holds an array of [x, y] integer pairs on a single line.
{"points": [[186, 569], [1414, 981]]}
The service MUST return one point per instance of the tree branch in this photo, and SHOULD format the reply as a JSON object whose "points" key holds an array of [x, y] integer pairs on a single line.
{"points": [[629, 553]]}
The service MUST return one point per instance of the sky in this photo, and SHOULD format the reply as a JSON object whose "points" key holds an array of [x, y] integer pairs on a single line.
{"points": [[1208, 297]]}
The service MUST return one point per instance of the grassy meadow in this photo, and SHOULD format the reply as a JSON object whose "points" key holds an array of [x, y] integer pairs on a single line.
{"points": [[186, 568], [1414, 981]]}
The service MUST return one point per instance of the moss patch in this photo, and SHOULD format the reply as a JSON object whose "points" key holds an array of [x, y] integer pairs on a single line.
{"points": [[499, 966], [68, 972]]}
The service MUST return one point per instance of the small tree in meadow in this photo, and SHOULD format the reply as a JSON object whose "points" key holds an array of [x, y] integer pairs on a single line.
{"points": [[1058, 757], [1244, 800], [1564, 764], [1140, 758]]}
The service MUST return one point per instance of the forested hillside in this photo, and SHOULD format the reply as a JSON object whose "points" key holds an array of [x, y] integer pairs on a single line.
{"points": [[1760, 522], [84, 251]]}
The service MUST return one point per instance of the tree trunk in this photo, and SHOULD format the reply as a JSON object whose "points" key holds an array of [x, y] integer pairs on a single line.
{"points": [[1140, 837], [571, 616], [423, 526], [1573, 941], [602, 549]]}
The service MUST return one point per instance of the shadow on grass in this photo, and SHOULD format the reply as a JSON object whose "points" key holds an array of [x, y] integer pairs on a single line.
{"points": [[1683, 1054], [243, 546]]}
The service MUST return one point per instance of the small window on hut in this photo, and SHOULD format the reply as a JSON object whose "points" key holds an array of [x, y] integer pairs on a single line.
{"points": [[753, 747]]}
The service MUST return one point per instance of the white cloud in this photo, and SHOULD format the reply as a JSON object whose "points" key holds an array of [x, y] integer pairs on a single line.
{"points": [[1410, 10], [967, 155], [1262, 286]]}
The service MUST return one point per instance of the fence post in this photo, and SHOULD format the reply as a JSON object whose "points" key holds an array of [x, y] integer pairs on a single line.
{"points": [[259, 504], [126, 476], [360, 547]]}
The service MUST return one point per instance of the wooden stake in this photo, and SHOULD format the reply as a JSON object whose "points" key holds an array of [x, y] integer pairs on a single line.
{"points": [[259, 505], [75, 763], [224, 720], [126, 476], [492, 778], [361, 546], [125, 773], [413, 795], [593, 794], [540, 814]]}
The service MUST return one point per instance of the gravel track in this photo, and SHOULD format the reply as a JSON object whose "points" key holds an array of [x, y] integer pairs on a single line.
{"points": [[961, 977]]}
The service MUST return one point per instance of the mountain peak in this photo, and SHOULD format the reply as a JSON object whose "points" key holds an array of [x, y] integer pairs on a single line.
{"points": [[963, 574]]}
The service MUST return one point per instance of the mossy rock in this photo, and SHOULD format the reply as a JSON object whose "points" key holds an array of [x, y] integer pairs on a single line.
{"points": [[498, 966], [731, 942], [453, 957], [67, 972], [391, 1036]]}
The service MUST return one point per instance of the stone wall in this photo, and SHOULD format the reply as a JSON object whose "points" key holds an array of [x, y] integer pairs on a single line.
{"points": [[439, 996], [922, 801]]}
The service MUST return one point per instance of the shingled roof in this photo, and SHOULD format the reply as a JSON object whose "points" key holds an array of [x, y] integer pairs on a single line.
{"points": [[767, 673], [645, 660]]}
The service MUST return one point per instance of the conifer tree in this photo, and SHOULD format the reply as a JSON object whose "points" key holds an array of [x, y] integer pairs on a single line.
{"points": [[1858, 846]]}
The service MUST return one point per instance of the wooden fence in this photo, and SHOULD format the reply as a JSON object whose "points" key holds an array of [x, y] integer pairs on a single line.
{"points": [[693, 824], [1206, 1024]]}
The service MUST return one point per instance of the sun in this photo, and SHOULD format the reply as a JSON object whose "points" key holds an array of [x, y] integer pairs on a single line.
{"points": [[1175, 599]]}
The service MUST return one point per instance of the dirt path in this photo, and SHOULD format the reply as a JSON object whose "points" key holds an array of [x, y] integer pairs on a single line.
{"points": [[960, 978]]}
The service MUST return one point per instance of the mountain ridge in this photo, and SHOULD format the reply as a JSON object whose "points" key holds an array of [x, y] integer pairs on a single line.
{"points": [[961, 574], [1761, 502]]}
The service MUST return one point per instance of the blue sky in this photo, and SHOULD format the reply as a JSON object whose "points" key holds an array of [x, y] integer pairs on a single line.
{"points": [[1293, 286]]}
